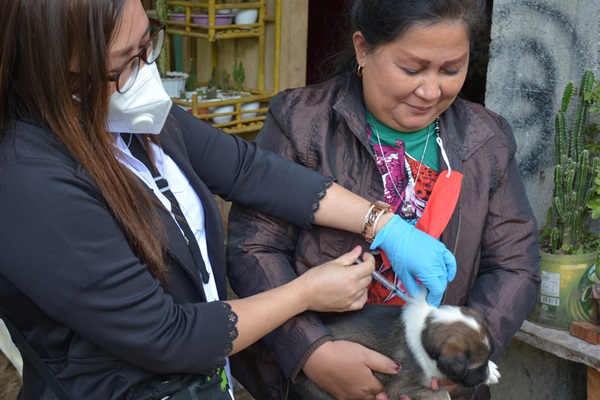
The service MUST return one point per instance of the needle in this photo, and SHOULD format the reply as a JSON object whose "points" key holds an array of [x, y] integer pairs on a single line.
{"points": [[387, 284]]}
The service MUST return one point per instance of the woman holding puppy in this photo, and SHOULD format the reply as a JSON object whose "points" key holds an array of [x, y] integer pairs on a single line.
{"points": [[112, 261], [389, 126]]}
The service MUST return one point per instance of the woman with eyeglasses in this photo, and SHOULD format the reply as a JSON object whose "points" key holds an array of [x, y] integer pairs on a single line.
{"points": [[112, 259]]}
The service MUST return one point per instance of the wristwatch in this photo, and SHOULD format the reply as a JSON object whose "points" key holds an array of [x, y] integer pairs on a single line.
{"points": [[377, 209]]}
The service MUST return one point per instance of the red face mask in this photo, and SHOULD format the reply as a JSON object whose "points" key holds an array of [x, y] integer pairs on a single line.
{"points": [[442, 201]]}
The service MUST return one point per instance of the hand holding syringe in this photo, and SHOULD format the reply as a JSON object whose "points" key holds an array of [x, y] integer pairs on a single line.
{"points": [[387, 284]]}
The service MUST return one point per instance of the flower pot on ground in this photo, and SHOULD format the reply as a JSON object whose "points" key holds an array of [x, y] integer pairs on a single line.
{"points": [[565, 293], [567, 290], [596, 289]]}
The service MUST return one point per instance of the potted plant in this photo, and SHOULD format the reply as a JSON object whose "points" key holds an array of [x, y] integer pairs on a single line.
{"points": [[222, 17], [176, 14], [211, 90], [217, 90], [190, 86], [239, 76], [223, 79], [594, 203], [568, 246]]}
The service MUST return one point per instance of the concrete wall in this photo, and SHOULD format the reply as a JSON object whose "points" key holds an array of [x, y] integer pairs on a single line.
{"points": [[536, 48], [532, 374]]}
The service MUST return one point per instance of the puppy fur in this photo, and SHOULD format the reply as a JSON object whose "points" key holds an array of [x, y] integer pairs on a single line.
{"points": [[445, 342]]}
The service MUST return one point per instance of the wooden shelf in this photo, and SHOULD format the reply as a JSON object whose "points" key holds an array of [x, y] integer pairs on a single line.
{"points": [[240, 121], [560, 343], [221, 32], [210, 32]]}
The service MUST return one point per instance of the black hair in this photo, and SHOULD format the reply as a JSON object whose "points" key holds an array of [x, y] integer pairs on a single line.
{"points": [[383, 21]]}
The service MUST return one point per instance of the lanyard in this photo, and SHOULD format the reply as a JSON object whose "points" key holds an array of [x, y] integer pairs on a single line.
{"points": [[138, 151]]}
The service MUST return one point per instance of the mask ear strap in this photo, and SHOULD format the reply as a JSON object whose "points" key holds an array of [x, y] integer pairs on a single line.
{"points": [[444, 155], [442, 200]]}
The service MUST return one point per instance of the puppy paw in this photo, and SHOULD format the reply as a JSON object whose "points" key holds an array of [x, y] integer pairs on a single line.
{"points": [[493, 373]]}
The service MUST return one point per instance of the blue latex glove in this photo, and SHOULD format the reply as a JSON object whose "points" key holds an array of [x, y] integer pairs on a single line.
{"points": [[414, 253]]}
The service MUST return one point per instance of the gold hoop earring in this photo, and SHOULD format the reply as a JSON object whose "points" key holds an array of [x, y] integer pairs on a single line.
{"points": [[359, 71]]}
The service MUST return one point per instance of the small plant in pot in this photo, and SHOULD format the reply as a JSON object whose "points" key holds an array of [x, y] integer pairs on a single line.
{"points": [[594, 204], [211, 91], [177, 13], [569, 247], [190, 85], [239, 74], [224, 84], [218, 80]]}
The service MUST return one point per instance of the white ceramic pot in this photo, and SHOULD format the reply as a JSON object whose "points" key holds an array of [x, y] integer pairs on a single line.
{"points": [[246, 16], [219, 110], [250, 106], [174, 83], [189, 95]]}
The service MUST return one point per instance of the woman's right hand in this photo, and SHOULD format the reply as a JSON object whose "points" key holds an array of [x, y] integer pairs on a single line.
{"points": [[338, 285], [345, 370]]}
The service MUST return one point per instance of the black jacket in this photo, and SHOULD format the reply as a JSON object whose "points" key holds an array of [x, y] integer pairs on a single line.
{"points": [[72, 285]]}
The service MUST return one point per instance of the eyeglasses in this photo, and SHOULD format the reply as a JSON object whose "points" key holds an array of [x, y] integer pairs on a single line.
{"points": [[125, 76]]}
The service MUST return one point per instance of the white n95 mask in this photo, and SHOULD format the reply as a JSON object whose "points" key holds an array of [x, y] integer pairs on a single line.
{"points": [[141, 109]]}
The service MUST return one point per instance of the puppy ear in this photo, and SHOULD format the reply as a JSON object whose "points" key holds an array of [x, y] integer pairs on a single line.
{"points": [[454, 366], [452, 362]]}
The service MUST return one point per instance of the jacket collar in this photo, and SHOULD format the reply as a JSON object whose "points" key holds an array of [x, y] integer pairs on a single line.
{"points": [[462, 128], [351, 107]]}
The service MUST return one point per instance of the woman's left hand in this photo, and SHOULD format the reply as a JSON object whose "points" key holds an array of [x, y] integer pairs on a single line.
{"points": [[417, 256]]}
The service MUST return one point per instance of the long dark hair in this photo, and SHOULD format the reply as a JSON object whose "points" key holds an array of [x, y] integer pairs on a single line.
{"points": [[53, 69], [383, 21]]}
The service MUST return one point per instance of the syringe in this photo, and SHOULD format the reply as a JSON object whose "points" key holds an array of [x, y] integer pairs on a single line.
{"points": [[386, 283]]}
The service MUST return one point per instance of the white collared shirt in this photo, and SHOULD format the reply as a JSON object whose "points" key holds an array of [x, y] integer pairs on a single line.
{"points": [[188, 200], [190, 203]]}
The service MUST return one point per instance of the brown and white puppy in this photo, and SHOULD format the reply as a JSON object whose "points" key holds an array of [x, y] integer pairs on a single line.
{"points": [[446, 342]]}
